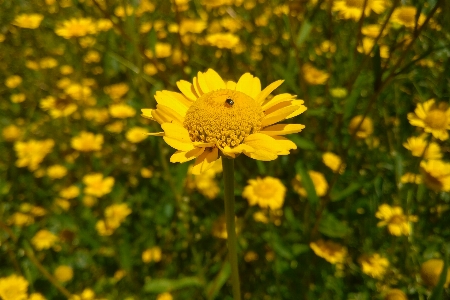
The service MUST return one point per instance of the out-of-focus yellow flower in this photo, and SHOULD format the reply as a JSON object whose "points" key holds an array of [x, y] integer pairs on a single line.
{"points": [[58, 107], [44, 239], [260, 216], [20, 219], [326, 47], [66, 69], [419, 147], [78, 92], [395, 294], [36, 296], [223, 40], [406, 16], [64, 204], [115, 127], [145, 6], [30, 154], [18, 98], [431, 270], [121, 111], [162, 50], [104, 24], [87, 142], [56, 171], [397, 222], [319, 181], [48, 63], [373, 30], [353, 9], [314, 76], [115, 214], [164, 296], [436, 175], [333, 162], [332, 252], [89, 201], [92, 57], [151, 254], [87, 294], [103, 229], [13, 287], [367, 46], [123, 12], [31, 21], [411, 178], [146, 173], [136, 134], [76, 28], [219, 228], [432, 117], [70, 192], [150, 69], [87, 41], [11, 133], [13, 81], [205, 182], [250, 256], [96, 185], [374, 265], [267, 192], [63, 273], [116, 91], [366, 128], [98, 115], [192, 26]]}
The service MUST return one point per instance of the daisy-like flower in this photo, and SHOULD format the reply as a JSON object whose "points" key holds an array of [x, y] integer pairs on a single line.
{"points": [[436, 175], [44, 239], [420, 147], [31, 21], [353, 9], [406, 16], [330, 251], [395, 294], [212, 117], [222, 40], [397, 222], [13, 287], [266, 192], [97, 185], [76, 28], [431, 270], [433, 118], [374, 265]]}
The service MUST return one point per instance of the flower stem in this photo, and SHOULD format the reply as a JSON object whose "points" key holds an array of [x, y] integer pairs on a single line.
{"points": [[228, 179]]}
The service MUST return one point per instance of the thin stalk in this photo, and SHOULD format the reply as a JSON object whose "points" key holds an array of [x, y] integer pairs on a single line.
{"points": [[228, 180]]}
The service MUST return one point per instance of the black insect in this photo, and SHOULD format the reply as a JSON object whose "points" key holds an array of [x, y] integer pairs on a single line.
{"points": [[229, 102]]}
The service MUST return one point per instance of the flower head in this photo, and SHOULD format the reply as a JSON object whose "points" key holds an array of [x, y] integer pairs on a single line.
{"points": [[96, 185], [31, 21], [353, 9], [136, 134], [266, 192], [406, 16], [433, 118], [151, 254], [374, 265], [366, 128], [319, 181], [30, 154], [223, 40], [436, 175], [87, 142], [44, 239], [76, 28], [395, 294], [212, 116], [13, 81], [63, 273], [332, 252], [397, 222], [334, 162], [13, 287], [419, 147], [314, 76], [431, 270]]}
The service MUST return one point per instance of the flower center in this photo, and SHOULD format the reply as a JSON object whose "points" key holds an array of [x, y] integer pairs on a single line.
{"points": [[436, 119], [355, 3], [224, 117], [398, 219]]}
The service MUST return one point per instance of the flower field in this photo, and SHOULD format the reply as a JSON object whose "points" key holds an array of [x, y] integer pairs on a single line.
{"points": [[224, 149]]}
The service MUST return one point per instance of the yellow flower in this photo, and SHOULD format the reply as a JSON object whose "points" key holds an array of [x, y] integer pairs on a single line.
{"points": [[250, 256], [332, 252], [115, 214], [31, 21], [78, 91], [66, 69], [96, 185], [98, 115], [368, 44], [395, 294], [417, 146], [58, 107], [366, 128], [219, 229], [56, 171], [374, 265], [151, 254], [48, 63], [433, 118], [136, 134], [266, 192], [222, 40], [115, 127], [116, 91], [212, 115], [353, 9], [162, 50], [436, 174], [18, 98], [103, 229], [205, 182], [13, 287], [87, 294], [76, 28], [11, 133], [373, 30], [92, 57], [411, 178], [104, 24], [70, 192], [430, 272], [13, 81], [333, 162], [260, 216], [146, 173], [314, 76], [30, 154], [164, 296], [87, 142], [398, 223], [192, 26], [44, 239], [36, 296], [319, 181], [121, 111], [406, 16], [20, 219], [63, 273]]}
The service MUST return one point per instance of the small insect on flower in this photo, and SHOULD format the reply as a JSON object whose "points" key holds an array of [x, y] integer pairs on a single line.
{"points": [[229, 102]]}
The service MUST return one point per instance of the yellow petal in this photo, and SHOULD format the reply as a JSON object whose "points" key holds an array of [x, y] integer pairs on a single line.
{"points": [[231, 85], [147, 113], [201, 79], [163, 114], [282, 129], [187, 89], [214, 81], [284, 143], [301, 109], [184, 156], [266, 92], [278, 115], [276, 100], [197, 88], [156, 133], [248, 85], [231, 152], [205, 160], [177, 144], [177, 132], [170, 99], [265, 147]]}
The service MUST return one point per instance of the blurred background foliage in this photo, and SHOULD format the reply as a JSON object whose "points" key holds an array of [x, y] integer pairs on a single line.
{"points": [[91, 208]]}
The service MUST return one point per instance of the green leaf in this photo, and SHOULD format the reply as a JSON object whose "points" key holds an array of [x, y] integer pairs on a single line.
{"points": [[302, 143], [281, 249], [221, 278], [303, 33], [438, 292], [353, 187], [332, 227], [298, 249], [307, 183], [162, 285]]}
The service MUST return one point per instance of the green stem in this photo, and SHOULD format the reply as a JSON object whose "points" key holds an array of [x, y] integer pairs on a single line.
{"points": [[228, 179]]}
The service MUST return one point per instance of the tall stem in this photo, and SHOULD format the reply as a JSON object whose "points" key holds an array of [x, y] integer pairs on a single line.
{"points": [[228, 179]]}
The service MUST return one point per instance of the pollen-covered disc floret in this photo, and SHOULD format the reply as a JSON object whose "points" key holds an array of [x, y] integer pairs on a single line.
{"points": [[223, 117]]}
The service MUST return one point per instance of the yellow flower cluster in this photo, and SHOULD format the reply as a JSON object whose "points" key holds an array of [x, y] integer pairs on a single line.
{"points": [[114, 215], [30, 154]]}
